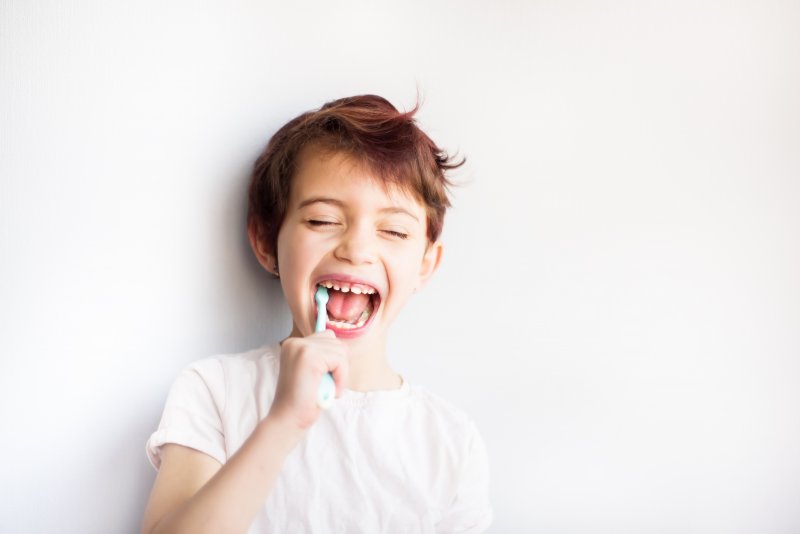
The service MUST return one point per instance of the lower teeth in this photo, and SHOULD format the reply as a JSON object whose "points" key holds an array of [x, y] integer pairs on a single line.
{"points": [[346, 326], [362, 319]]}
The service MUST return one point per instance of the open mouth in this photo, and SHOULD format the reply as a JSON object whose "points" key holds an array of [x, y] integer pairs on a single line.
{"points": [[351, 305]]}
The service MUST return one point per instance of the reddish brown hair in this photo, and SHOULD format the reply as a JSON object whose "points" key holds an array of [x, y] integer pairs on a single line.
{"points": [[368, 128]]}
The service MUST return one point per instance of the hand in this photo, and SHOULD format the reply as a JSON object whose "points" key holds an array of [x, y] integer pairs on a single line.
{"points": [[304, 360]]}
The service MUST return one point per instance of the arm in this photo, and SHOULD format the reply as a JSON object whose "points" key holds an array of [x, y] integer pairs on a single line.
{"points": [[194, 493]]}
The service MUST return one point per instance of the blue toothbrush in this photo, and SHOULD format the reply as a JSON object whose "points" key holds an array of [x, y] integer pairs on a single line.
{"points": [[327, 388]]}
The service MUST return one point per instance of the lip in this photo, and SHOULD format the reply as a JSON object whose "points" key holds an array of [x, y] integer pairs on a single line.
{"points": [[350, 332]]}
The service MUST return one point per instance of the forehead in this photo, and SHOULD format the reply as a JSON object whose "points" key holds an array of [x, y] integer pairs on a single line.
{"points": [[343, 176]]}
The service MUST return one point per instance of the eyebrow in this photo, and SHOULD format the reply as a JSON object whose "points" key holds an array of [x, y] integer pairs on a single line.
{"points": [[398, 209], [324, 200], [340, 204]]}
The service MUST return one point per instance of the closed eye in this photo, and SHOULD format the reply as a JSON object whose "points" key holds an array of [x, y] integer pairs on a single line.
{"points": [[397, 234], [314, 222]]}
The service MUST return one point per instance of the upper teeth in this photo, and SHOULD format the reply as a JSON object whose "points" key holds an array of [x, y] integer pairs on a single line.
{"points": [[345, 287]]}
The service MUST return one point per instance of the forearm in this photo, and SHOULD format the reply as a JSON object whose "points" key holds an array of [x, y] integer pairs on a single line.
{"points": [[229, 501]]}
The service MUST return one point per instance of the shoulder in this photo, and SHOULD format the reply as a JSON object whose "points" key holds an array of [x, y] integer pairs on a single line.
{"points": [[437, 405], [232, 361], [226, 380], [236, 366], [460, 448], [443, 417], [215, 402], [460, 445]]}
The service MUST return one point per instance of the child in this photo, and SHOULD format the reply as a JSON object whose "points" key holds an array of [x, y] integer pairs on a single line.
{"points": [[351, 197]]}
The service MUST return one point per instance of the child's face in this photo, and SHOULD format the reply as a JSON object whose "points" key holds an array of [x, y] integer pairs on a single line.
{"points": [[344, 229]]}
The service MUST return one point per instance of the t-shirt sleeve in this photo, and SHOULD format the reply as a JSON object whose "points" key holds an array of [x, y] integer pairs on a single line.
{"points": [[193, 413], [470, 511]]}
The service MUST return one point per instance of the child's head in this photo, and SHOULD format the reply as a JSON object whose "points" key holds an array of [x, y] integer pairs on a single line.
{"points": [[372, 131], [351, 196]]}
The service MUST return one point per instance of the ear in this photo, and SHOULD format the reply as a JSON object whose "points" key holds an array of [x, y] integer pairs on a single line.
{"points": [[430, 262], [264, 255]]}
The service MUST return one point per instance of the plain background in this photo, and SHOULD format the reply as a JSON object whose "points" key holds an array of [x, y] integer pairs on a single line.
{"points": [[619, 303]]}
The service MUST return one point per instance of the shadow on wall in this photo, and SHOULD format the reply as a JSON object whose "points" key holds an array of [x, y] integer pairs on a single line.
{"points": [[252, 310], [246, 309], [131, 452]]}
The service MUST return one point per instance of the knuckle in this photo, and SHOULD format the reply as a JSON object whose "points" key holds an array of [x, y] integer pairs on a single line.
{"points": [[304, 354]]}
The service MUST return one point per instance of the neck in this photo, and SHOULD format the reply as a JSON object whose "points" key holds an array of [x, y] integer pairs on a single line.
{"points": [[369, 368], [372, 374]]}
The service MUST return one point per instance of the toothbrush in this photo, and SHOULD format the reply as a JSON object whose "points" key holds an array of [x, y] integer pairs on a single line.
{"points": [[327, 387]]}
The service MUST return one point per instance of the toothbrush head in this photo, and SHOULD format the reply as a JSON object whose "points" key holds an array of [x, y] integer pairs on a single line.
{"points": [[321, 296]]}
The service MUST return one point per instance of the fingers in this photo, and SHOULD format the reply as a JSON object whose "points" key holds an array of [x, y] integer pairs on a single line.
{"points": [[306, 360], [335, 360], [340, 374], [324, 334], [330, 352]]}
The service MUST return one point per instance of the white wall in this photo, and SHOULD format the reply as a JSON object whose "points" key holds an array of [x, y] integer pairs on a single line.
{"points": [[619, 306]]}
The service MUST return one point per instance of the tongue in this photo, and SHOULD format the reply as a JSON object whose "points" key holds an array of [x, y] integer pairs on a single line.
{"points": [[346, 306]]}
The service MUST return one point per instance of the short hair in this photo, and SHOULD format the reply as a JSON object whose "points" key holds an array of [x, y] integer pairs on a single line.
{"points": [[368, 128]]}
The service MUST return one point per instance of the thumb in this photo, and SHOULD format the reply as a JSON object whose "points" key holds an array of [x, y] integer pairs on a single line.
{"points": [[330, 334]]}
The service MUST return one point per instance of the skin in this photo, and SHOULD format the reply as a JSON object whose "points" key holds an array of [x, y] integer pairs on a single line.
{"points": [[358, 231]]}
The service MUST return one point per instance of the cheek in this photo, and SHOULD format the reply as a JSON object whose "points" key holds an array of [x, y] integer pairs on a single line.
{"points": [[406, 276], [291, 267], [291, 251]]}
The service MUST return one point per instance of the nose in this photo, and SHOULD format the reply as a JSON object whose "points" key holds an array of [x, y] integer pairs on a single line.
{"points": [[356, 246]]}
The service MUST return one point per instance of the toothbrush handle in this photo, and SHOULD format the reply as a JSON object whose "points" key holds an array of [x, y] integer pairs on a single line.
{"points": [[327, 387], [327, 392], [322, 321]]}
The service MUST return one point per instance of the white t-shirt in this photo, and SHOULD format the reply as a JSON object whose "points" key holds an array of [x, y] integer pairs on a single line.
{"points": [[396, 461]]}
